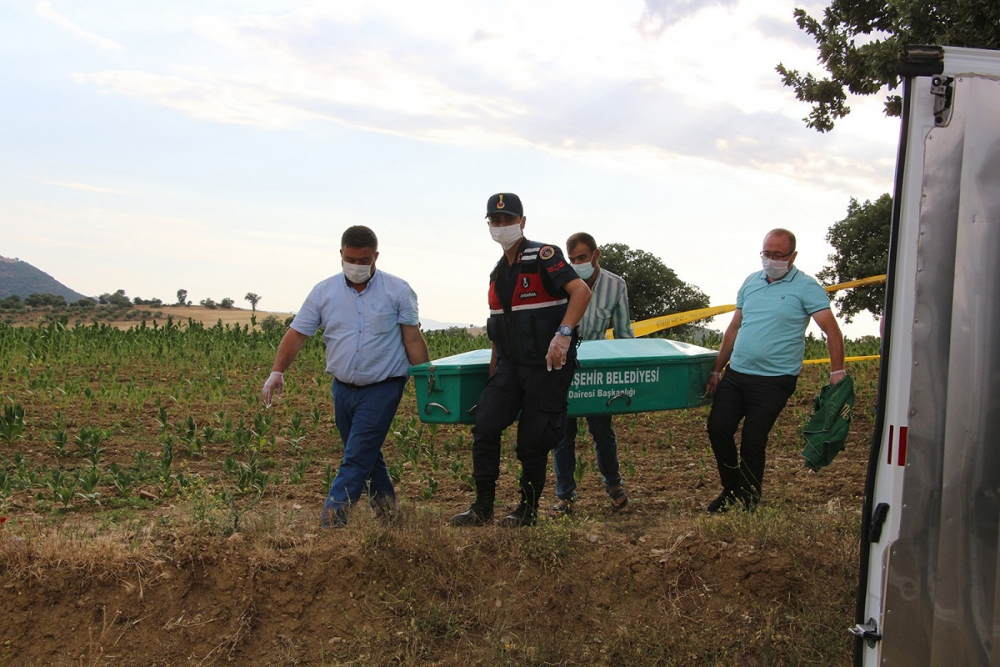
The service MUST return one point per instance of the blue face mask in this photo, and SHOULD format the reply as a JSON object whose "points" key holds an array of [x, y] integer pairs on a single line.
{"points": [[584, 270]]}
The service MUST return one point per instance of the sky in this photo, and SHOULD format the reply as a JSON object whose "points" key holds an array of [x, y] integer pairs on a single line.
{"points": [[222, 147]]}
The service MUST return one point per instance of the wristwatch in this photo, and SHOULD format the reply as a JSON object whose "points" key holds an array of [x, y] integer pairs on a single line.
{"points": [[565, 330]]}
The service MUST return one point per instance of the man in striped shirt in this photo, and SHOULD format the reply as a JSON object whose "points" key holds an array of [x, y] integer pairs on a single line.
{"points": [[608, 308]]}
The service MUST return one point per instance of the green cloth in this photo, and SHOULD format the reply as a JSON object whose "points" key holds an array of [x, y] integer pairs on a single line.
{"points": [[827, 430]]}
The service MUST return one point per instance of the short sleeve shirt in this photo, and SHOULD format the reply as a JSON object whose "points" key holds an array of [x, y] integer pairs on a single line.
{"points": [[361, 330], [771, 339]]}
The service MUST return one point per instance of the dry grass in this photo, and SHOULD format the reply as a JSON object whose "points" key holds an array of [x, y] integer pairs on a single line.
{"points": [[28, 550], [567, 592]]}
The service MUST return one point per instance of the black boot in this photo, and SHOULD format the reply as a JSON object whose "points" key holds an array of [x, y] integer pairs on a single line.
{"points": [[481, 511], [727, 500], [526, 513]]}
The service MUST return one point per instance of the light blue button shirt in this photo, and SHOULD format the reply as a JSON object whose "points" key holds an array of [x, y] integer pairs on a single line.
{"points": [[361, 330], [771, 340]]}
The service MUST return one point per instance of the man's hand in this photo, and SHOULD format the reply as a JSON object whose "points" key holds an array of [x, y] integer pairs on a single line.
{"points": [[837, 376], [713, 383], [556, 357], [274, 386]]}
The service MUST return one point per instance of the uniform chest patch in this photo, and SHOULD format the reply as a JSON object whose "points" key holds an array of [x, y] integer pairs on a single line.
{"points": [[546, 252]]}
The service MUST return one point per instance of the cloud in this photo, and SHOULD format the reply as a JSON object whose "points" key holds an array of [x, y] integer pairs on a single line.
{"points": [[45, 10], [84, 186], [499, 85], [659, 15]]}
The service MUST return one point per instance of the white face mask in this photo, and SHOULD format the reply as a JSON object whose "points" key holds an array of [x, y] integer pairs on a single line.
{"points": [[774, 268], [584, 270], [357, 273], [506, 236]]}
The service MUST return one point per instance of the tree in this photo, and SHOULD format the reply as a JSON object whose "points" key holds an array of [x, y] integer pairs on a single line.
{"points": [[653, 288], [859, 43], [117, 299], [226, 303], [42, 300], [861, 245], [182, 295], [209, 303], [12, 302], [254, 299]]}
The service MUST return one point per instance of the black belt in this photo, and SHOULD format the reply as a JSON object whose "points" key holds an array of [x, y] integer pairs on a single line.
{"points": [[363, 386]]}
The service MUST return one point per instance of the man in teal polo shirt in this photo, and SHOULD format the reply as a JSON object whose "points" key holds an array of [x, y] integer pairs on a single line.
{"points": [[763, 347]]}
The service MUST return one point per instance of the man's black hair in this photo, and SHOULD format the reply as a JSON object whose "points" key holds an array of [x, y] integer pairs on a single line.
{"points": [[358, 236]]}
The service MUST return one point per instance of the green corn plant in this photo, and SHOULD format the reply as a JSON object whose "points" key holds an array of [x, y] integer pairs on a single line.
{"points": [[88, 483], [162, 419], [298, 473], [248, 478], [12, 424], [62, 486], [431, 488], [329, 474], [6, 483], [121, 479], [395, 472], [60, 440], [208, 433], [167, 453]]}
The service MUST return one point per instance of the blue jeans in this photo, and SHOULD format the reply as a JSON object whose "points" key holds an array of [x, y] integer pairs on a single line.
{"points": [[605, 445], [363, 417]]}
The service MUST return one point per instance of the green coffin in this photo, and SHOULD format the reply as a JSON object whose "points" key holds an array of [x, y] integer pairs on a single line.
{"points": [[613, 377]]}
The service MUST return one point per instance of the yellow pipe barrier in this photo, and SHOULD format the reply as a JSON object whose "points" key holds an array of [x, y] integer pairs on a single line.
{"points": [[866, 357], [645, 327], [855, 283]]}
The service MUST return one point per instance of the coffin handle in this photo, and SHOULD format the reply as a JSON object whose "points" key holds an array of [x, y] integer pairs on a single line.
{"points": [[628, 400], [427, 408]]}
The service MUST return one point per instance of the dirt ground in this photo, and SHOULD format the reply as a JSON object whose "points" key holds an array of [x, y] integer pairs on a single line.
{"points": [[657, 583]]}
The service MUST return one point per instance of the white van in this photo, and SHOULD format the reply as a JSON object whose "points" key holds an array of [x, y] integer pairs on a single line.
{"points": [[930, 574]]}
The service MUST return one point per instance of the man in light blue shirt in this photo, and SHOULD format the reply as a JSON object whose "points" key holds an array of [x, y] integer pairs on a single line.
{"points": [[608, 308], [371, 331], [763, 345]]}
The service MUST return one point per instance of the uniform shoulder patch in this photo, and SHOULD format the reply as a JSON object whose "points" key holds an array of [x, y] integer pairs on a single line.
{"points": [[546, 252]]}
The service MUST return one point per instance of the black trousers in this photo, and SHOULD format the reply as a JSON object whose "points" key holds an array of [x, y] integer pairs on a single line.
{"points": [[540, 396], [756, 400]]}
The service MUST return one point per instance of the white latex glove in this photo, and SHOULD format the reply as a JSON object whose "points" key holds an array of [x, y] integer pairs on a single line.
{"points": [[556, 357], [274, 385]]}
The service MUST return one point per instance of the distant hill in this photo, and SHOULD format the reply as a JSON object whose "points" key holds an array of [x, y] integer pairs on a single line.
{"points": [[22, 279]]}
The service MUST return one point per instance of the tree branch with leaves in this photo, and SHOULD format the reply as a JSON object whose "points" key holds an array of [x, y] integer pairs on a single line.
{"points": [[859, 43]]}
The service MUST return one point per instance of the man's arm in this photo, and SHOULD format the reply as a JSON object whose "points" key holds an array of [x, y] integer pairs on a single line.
{"points": [[579, 297], [834, 343], [620, 322], [288, 349], [726, 351], [416, 346]]}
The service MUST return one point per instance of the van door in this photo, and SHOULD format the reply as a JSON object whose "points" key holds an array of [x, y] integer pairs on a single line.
{"points": [[929, 590]]}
